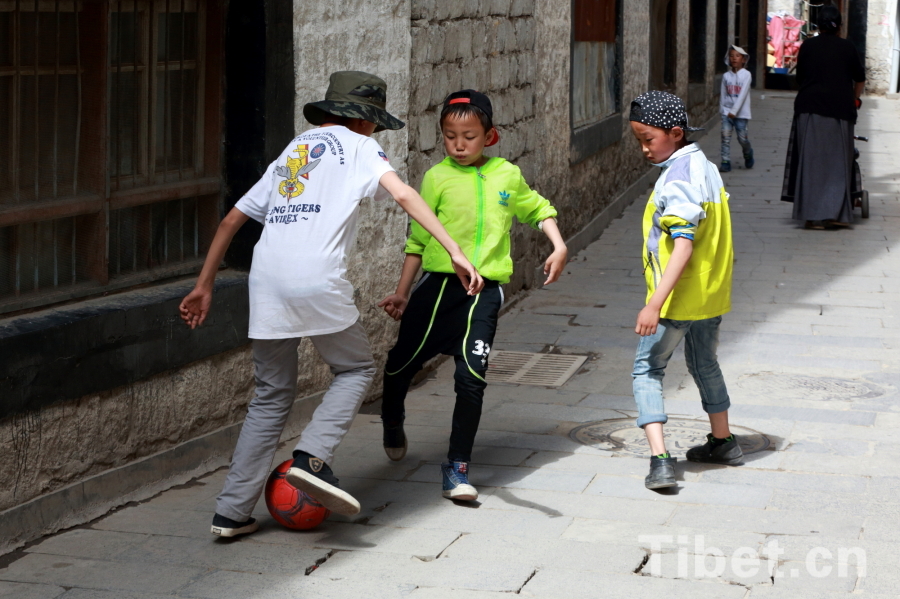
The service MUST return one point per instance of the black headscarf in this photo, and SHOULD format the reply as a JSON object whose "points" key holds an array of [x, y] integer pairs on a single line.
{"points": [[829, 19], [660, 109]]}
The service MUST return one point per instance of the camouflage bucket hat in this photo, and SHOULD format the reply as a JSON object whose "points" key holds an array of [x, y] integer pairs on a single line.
{"points": [[355, 95]]}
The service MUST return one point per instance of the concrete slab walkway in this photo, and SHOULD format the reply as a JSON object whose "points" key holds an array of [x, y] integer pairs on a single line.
{"points": [[811, 353]]}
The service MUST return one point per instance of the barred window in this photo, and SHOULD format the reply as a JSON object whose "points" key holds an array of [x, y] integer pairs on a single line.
{"points": [[594, 61], [110, 171]]}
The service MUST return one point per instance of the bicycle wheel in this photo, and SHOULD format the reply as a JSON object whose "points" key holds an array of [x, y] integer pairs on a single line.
{"points": [[864, 203]]}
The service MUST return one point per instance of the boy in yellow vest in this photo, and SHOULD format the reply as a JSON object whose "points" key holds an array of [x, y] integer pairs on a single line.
{"points": [[687, 265]]}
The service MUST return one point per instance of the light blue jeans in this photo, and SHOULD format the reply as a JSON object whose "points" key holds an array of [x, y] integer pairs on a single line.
{"points": [[701, 339], [740, 126]]}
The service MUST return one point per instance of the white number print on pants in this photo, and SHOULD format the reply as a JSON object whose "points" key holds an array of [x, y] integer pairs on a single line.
{"points": [[482, 349]]}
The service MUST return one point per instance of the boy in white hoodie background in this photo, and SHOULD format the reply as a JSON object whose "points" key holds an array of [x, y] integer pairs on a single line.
{"points": [[734, 105]]}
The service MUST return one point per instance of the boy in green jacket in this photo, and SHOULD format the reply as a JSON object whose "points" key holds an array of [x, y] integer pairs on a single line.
{"points": [[475, 198]]}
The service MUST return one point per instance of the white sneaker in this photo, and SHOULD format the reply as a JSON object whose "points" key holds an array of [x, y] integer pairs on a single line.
{"points": [[226, 527]]}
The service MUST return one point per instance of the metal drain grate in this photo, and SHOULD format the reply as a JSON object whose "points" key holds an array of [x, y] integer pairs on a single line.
{"points": [[524, 368]]}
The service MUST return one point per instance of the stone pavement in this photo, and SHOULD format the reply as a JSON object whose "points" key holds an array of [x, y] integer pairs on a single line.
{"points": [[811, 353]]}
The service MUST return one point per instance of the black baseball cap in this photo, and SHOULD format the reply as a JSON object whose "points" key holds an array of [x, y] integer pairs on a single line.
{"points": [[479, 101]]}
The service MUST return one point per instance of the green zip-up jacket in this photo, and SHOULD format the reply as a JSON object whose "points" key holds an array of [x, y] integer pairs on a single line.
{"points": [[476, 206]]}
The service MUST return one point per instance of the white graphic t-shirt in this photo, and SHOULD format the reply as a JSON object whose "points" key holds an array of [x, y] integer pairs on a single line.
{"points": [[308, 201]]}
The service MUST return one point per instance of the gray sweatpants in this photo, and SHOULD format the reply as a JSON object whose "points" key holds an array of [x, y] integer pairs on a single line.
{"points": [[275, 360]]}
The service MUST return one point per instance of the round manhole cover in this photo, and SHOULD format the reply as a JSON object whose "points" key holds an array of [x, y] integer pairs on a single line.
{"points": [[809, 387], [623, 436]]}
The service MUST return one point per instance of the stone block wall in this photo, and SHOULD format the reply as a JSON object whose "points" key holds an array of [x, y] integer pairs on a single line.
{"points": [[486, 45], [490, 46], [879, 45]]}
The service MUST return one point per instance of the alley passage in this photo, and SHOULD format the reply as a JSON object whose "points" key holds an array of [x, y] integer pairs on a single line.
{"points": [[810, 353]]}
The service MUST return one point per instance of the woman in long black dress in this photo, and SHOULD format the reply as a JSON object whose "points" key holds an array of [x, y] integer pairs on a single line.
{"points": [[819, 166]]}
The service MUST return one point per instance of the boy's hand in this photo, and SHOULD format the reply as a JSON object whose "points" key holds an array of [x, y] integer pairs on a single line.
{"points": [[731, 115], [647, 321], [394, 305], [555, 264], [467, 274], [195, 306]]}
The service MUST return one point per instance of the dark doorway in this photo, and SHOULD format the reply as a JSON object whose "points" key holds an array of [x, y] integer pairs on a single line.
{"points": [[671, 45], [697, 40], [722, 41], [259, 103], [663, 44]]}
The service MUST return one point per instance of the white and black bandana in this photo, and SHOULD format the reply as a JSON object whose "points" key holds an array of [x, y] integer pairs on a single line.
{"points": [[660, 109]]}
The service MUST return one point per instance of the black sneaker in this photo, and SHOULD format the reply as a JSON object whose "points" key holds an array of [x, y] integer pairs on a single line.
{"points": [[313, 476], [226, 527], [394, 441], [716, 452], [662, 473]]}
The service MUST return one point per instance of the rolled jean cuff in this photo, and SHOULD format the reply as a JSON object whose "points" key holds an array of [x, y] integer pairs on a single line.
{"points": [[645, 419], [715, 408]]}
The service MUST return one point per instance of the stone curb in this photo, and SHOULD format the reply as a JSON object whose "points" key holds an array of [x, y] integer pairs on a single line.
{"points": [[96, 496]]}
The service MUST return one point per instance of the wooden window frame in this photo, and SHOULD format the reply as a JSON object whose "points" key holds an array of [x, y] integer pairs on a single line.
{"points": [[148, 67], [596, 22], [99, 192]]}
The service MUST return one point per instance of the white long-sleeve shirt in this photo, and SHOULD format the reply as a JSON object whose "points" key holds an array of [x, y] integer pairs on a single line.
{"points": [[735, 95]]}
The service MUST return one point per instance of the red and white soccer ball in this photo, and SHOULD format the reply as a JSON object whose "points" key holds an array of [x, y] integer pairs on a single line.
{"points": [[290, 506]]}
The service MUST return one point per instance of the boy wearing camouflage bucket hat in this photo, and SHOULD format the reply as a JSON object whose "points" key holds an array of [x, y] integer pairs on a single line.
{"points": [[687, 265], [308, 201]]}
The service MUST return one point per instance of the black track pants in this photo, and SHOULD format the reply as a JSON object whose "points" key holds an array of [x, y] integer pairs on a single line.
{"points": [[441, 319]]}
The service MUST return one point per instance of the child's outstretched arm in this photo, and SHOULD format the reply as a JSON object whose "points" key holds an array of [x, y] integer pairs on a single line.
{"points": [[395, 304], [555, 264], [415, 206], [195, 306], [648, 318]]}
